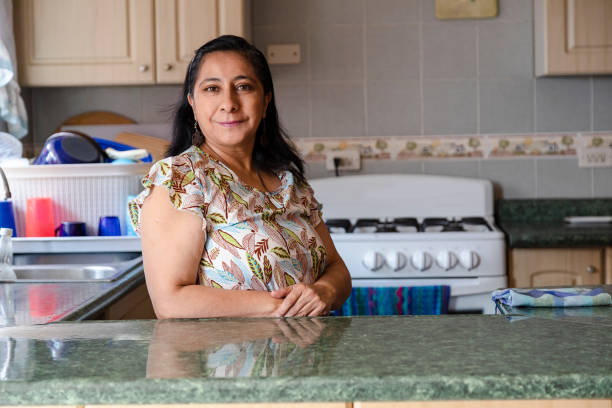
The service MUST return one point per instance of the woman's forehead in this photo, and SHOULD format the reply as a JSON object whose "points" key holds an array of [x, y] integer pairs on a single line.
{"points": [[224, 65]]}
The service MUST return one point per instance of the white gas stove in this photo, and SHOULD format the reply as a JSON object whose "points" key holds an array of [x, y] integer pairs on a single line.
{"points": [[417, 230]]}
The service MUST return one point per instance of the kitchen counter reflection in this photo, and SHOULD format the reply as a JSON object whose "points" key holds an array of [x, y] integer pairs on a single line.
{"points": [[240, 348]]}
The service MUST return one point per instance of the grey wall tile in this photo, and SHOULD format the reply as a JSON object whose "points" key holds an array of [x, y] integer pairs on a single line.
{"points": [[55, 105], [602, 97], [517, 10], [394, 108], [449, 51], [368, 166], [563, 104], [288, 12], [337, 52], [496, 39], [158, 102], [293, 105], [602, 182], [264, 36], [449, 107], [392, 11], [562, 178], [449, 167], [337, 109], [336, 12], [506, 106], [392, 52], [513, 178]]}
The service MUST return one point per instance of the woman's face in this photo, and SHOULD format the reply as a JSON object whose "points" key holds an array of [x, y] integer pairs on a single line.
{"points": [[228, 100]]}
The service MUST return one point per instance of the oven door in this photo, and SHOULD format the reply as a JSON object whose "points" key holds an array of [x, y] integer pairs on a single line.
{"points": [[468, 295]]}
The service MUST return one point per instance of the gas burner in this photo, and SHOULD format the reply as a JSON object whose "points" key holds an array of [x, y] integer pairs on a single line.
{"points": [[442, 225], [367, 225], [476, 224], [407, 224], [339, 225]]}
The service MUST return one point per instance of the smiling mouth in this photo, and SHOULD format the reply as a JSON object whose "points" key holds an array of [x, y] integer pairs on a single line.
{"points": [[232, 123]]}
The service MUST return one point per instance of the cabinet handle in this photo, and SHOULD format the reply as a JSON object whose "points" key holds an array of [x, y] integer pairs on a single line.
{"points": [[167, 67], [591, 269], [143, 68]]}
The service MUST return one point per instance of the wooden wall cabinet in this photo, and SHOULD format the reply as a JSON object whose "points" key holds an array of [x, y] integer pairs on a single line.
{"points": [[118, 42], [556, 267], [573, 37]]}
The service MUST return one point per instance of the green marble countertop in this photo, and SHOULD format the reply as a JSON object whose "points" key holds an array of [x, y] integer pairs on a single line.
{"points": [[540, 223], [306, 359], [556, 234], [39, 303]]}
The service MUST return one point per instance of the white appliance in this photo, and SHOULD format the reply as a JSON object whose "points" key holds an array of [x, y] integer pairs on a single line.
{"points": [[417, 230]]}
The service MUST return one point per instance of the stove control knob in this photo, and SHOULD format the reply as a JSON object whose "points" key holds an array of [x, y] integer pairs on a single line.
{"points": [[396, 260], [469, 259], [421, 260], [446, 260], [373, 260]]}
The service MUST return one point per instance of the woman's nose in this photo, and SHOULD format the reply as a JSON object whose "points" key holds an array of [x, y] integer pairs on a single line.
{"points": [[230, 101]]}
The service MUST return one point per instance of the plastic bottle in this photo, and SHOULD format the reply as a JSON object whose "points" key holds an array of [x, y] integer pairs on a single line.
{"points": [[6, 255]]}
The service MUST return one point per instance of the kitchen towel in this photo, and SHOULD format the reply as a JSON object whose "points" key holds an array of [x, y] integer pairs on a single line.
{"points": [[406, 300], [559, 297]]}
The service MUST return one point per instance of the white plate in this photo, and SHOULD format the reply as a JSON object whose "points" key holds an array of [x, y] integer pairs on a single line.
{"points": [[591, 219]]}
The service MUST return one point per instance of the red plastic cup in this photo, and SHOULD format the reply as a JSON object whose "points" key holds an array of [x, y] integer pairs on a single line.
{"points": [[39, 217]]}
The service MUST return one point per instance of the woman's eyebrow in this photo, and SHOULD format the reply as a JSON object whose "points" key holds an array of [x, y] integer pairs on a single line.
{"points": [[236, 78]]}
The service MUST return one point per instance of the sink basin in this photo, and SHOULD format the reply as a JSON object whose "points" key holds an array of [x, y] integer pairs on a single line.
{"points": [[73, 272]]}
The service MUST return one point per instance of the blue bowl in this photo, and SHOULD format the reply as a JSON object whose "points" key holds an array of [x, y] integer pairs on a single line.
{"points": [[104, 143]]}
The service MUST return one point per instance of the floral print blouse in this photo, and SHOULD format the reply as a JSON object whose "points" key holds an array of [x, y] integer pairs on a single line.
{"points": [[254, 240]]}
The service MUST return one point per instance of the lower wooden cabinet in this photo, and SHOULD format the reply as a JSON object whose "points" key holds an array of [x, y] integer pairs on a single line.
{"points": [[560, 267], [136, 304]]}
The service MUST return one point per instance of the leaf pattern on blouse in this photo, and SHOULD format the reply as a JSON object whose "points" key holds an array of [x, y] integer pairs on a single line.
{"points": [[254, 240]]}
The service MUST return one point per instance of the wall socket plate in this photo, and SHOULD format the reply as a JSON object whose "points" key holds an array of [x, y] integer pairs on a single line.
{"points": [[283, 54], [350, 159], [595, 157]]}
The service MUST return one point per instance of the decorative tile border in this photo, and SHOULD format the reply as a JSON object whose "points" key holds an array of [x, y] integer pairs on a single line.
{"points": [[490, 146]]}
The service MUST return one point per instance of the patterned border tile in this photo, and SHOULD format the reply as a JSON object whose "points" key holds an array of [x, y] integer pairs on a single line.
{"points": [[532, 145], [453, 146]]}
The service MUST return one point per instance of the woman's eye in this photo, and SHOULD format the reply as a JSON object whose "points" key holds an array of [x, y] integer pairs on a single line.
{"points": [[211, 88], [244, 87]]}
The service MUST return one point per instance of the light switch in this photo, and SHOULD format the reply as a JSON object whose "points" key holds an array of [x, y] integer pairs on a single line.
{"points": [[283, 53]]}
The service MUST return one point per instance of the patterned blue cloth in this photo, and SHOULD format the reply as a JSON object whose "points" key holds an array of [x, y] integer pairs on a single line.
{"points": [[382, 301], [561, 297]]}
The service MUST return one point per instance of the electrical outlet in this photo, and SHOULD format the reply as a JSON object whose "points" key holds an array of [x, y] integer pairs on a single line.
{"points": [[349, 159], [595, 157]]}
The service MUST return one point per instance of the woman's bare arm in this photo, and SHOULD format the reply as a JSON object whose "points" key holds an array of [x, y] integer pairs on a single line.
{"points": [[172, 246]]}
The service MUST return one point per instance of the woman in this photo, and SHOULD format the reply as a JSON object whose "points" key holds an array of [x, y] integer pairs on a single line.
{"points": [[230, 208]]}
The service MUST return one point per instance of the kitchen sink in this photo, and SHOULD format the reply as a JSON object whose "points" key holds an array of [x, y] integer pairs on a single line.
{"points": [[79, 267]]}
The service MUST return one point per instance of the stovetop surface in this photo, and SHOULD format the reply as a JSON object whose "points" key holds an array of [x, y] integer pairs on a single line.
{"points": [[408, 224]]}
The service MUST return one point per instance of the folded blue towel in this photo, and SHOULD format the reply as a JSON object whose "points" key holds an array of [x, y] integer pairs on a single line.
{"points": [[381, 301], [561, 297]]}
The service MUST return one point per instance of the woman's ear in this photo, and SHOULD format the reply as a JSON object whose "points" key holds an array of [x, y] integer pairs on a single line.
{"points": [[267, 100], [190, 100]]}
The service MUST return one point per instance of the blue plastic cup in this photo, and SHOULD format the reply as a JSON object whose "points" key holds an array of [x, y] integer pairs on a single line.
{"points": [[7, 216], [129, 230], [71, 229], [109, 226]]}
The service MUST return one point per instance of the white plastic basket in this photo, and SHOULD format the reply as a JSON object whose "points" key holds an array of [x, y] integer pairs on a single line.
{"points": [[80, 192]]}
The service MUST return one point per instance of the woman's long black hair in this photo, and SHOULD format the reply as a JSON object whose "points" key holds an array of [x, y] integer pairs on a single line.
{"points": [[272, 151]]}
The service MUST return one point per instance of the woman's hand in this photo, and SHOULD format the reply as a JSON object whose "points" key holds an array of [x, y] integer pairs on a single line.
{"points": [[304, 300]]}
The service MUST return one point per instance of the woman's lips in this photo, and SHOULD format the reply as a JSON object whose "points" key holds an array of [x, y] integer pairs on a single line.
{"points": [[232, 123]]}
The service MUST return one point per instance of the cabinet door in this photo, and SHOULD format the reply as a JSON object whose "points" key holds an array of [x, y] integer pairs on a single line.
{"points": [[182, 26], [555, 267], [85, 42], [573, 37]]}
